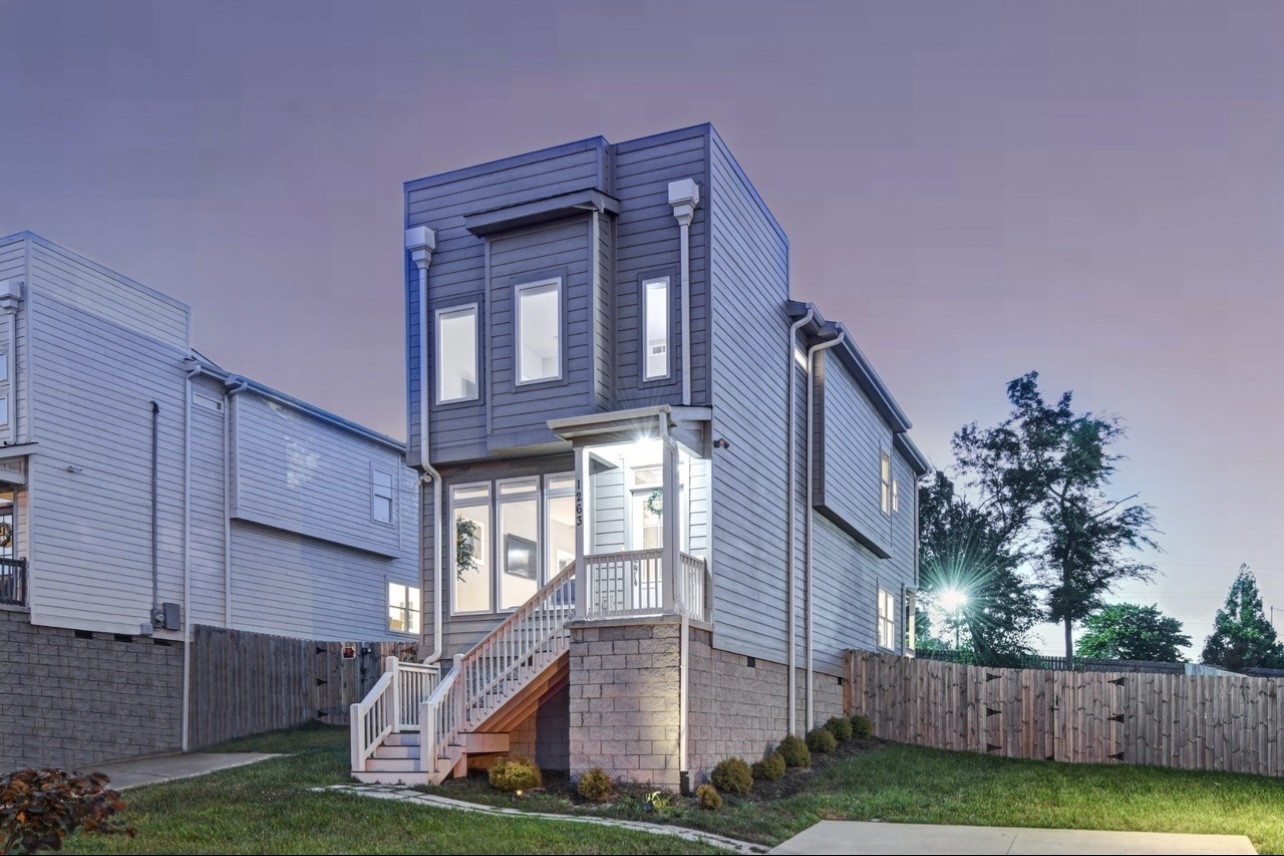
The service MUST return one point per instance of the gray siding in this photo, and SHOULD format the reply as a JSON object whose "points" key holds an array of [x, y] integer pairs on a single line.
{"points": [[298, 474], [458, 270], [607, 515], [13, 257], [749, 279], [293, 585], [518, 415], [93, 382], [851, 438], [209, 485], [647, 246]]}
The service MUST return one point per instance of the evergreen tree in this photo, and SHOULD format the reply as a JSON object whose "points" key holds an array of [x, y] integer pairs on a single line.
{"points": [[1242, 637]]}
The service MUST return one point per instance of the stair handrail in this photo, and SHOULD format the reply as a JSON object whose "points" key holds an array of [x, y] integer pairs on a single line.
{"points": [[372, 719], [439, 722]]}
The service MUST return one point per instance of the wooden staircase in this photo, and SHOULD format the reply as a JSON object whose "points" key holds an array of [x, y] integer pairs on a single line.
{"points": [[425, 735]]}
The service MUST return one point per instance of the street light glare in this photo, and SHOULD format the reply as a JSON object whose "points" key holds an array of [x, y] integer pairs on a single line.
{"points": [[953, 599]]}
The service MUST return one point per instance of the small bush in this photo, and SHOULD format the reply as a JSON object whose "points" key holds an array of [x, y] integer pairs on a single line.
{"points": [[770, 768], [38, 809], [708, 797], [795, 752], [515, 774], [840, 727], [595, 785], [820, 740], [862, 727], [732, 776]]}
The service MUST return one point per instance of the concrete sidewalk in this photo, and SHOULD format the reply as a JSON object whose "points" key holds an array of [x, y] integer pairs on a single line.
{"points": [[165, 768], [834, 836]]}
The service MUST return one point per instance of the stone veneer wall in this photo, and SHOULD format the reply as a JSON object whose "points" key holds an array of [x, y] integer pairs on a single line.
{"points": [[624, 703], [69, 700]]}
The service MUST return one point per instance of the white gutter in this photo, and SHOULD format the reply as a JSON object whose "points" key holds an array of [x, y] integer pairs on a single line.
{"points": [[684, 196], [228, 442], [420, 243], [811, 389], [791, 631], [187, 555]]}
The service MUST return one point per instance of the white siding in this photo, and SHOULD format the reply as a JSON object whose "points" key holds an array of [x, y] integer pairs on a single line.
{"points": [[209, 479]]}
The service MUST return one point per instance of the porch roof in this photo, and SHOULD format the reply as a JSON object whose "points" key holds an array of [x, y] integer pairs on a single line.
{"points": [[634, 422]]}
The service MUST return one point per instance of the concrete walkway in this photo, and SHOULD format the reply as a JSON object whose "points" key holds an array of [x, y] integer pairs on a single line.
{"points": [[166, 768], [840, 836]]}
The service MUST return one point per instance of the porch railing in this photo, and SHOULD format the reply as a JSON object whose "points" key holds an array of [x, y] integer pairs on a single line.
{"points": [[391, 705], [632, 583], [13, 582]]}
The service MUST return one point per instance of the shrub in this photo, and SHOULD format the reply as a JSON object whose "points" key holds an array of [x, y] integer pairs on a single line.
{"points": [[732, 776], [795, 752], [820, 740], [595, 785], [515, 774], [770, 768], [862, 727], [38, 809], [708, 797], [840, 727]]}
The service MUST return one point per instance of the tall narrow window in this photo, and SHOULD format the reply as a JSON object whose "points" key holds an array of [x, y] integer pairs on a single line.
{"points": [[471, 581], [539, 331], [886, 619], [559, 522], [381, 494], [518, 541], [403, 608], [457, 354], [896, 495], [655, 341], [885, 487]]}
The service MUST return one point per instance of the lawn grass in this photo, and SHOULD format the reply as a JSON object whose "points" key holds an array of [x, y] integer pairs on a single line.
{"points": [[268, 808], [909, 784]]}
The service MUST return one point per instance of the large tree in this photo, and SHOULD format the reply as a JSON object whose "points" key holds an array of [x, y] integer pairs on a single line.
{"points": [[963, 549], [1242, 637], [1129, 631], [1043, 476]]}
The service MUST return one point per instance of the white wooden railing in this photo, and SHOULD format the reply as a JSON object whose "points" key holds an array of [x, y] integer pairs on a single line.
{"points": [[391, 705], [631, 583], [498, 667]]}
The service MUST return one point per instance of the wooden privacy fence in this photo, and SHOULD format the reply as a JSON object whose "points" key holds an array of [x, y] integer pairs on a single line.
{"points": [[246, 683], [1229, 723]]}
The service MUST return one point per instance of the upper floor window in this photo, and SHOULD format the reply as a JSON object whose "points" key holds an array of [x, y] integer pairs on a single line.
{"points": [[457, 354], [896, 495], [539, 331], [381, 494], [655, 339], [885, 483], [886, 619]]}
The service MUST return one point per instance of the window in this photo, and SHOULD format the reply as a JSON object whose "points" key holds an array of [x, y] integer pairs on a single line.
{"points": [[470, 550], [911, 619], [518, 541], [457, 354], [559, 517], [403, 608], [539, 332], [381, 493], [885, 486], [886, 620], [655, 312], [896, 495]]}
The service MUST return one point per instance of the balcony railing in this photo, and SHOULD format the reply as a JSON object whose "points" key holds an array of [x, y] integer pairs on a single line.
{"points": [[13, 582], [632, 583]]}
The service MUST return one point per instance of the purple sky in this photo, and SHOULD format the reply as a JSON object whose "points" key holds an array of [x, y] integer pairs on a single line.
{"points": [[1095, 191]]}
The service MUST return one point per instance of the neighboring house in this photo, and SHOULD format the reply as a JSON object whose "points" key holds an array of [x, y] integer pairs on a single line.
{"points": [[145, 490], [603, 361]]}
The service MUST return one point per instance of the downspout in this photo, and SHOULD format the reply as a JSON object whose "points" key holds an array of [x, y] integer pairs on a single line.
{"points": [[229, 390], [157, 617], [187, 553], [420, 243], [673, 557], [684, 196], [791, 631], [811, 475]]}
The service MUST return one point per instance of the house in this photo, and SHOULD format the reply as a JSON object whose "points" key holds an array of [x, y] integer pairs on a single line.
{"points": [[661, 499], [146, 493]]}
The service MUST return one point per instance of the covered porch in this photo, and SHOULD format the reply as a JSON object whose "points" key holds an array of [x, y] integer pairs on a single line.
{"points": [[642, 512]]}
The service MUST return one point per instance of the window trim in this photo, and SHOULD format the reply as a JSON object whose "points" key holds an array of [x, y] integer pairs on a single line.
{"points": [[416, 599], [453, 506], [885, 481], [375, 470], [644, 343], [896, 495], [475, 309], [500, 551], [890, 619], [556, 283]]}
